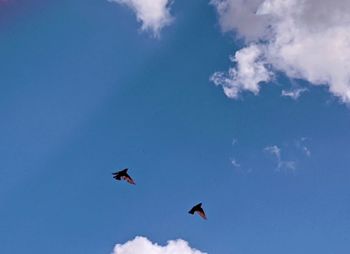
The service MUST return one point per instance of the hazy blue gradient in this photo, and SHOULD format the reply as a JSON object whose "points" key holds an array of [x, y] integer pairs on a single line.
{"points": [[85, 93]]}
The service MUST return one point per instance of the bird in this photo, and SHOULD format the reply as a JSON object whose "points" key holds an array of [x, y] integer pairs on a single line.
{"points": [[123, 175], [198, 209]]}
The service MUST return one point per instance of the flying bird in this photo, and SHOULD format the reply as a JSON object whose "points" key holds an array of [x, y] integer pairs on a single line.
{"points": [[198, 209], [123, 175]]}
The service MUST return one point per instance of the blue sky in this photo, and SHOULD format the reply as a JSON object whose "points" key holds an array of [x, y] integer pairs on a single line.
{"points": [[85, 92]]}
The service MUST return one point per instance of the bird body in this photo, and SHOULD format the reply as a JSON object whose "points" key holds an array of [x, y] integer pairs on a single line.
{"points": [[199, 210], [123, 175]]}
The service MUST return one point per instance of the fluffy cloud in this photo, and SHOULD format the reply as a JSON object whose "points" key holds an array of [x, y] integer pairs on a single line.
{"points": [[305, 39], [239, 15], [248, 73], [153, 14], [141, 245]]}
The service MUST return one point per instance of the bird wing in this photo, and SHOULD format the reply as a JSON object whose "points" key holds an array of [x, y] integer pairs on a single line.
{"points": [[191, 211], [201, 213], [129, 179], [121, 172]]}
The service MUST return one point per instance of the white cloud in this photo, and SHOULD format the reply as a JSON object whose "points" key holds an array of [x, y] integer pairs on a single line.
{"points": [[281, 164], [235, 163], [153, 14], [305, 39], [248, 73], [289, 165], [274, 150], [306, 151], [293, 93], [234, 141], [141, 245], [300, 144], [239, 15]]}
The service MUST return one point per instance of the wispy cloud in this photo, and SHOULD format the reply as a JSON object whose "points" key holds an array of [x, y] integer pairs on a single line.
{"points": [[281, 164], [154, 15], [274, 150], [305, 39], [238, 164], [141, 245], [307, 151], [235, 163], [289, 165], [293, 93], [300, 144], [234, 141]]}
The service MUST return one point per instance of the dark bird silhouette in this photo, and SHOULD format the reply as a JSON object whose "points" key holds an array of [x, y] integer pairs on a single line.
{"points": [[198, 209], [123, 175]]}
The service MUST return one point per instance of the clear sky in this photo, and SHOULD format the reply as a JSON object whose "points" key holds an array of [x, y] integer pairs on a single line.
{"points": [[85, 92]]}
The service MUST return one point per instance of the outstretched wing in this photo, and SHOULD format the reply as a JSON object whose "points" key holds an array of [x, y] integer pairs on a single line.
{"points": [[129, 179], [191, 211], [201, 213]]}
